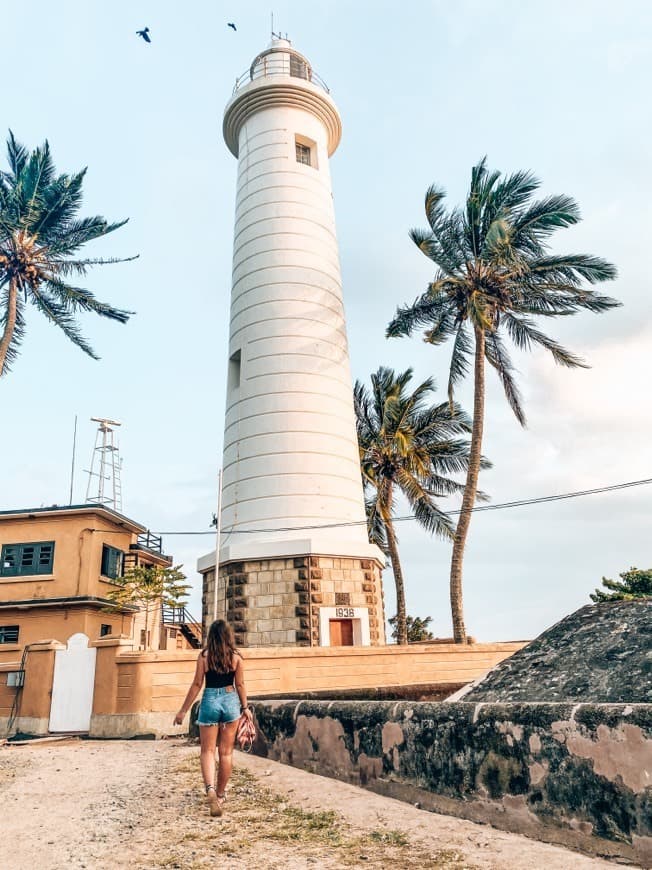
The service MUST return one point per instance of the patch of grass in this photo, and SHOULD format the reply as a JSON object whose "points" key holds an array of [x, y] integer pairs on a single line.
{"points": [[319, 828], [259, 822], [389, 838]]}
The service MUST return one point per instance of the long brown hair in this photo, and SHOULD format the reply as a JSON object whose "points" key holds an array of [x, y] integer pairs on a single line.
{"points": [[220, 647]]}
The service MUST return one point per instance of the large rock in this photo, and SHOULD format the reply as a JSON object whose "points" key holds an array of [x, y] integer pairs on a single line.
{"points": [[602, 653]]}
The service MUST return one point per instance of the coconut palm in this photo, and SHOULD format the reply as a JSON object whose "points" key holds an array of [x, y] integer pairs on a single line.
{"points": [[494, 274], [407, 446], [40, 236]]}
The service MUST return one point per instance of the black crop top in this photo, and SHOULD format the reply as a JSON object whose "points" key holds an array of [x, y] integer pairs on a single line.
{"points": [[216, 680]]}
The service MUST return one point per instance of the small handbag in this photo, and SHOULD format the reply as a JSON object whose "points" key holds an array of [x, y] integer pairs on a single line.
{"points": [[246, 733]]}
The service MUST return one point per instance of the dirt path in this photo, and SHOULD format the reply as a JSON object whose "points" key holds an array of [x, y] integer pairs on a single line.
{"points": [[139, 805]]}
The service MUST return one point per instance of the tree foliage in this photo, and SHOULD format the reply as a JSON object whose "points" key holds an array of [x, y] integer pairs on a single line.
{"points": [[407, 446], [40, 239], [417, 628], [150, 587], [635, 583], [494, 276]]}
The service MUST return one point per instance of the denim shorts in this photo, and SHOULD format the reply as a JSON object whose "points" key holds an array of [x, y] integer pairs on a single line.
{"points": [[219, 706]]}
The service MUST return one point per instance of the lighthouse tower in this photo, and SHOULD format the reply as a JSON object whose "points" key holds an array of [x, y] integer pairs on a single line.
{"points": [[295, 564]]}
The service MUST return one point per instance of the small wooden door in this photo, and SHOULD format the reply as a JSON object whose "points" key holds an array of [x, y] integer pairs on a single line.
{"points": [[341, 632]]}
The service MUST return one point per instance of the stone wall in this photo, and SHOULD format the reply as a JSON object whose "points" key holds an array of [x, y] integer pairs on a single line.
{"points": [[600, 653], [572, 774], [276, 602]]}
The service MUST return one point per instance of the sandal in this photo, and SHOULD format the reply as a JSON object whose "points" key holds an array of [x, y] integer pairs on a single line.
{"points": [[214, 802]]}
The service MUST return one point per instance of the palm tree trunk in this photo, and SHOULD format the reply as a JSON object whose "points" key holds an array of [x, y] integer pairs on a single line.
{"points": [[470, 489], [10, 325], [401, 619]]}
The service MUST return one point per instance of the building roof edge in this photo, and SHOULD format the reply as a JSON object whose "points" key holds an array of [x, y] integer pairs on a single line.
{"points": [[62, 510]]}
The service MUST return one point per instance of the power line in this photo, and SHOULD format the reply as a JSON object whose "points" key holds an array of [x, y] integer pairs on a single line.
{"points": [[544, 499]]}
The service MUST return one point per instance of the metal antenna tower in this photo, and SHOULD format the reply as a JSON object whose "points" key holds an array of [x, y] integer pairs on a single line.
{"points": [[104, 484]]}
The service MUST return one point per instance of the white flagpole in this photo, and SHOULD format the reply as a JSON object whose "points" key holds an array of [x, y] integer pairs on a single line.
{"points": [[218, 533]]}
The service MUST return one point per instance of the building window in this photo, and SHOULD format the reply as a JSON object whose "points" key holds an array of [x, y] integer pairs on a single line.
{"points": [[112, 561], [303, 154], [105, 629], [23, 559], [9, 634]]}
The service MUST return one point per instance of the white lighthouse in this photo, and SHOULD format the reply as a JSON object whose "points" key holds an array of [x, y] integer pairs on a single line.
{"points": [[296, 567]]}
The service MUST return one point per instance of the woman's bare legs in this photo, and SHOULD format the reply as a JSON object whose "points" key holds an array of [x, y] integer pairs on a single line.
{"points": [[208, 740], [225, 744]]}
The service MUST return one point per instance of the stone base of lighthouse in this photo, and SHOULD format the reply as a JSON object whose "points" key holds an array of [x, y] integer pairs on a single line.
{"points": [[299, 601]]}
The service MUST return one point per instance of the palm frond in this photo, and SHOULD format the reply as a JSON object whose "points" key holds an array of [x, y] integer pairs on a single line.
{"points": [[426, 310], [572, 268], [497, 356], [434, 206], [524, 335], [425, 510], [17, 156], [78, 299], [460, 363], [376, 529], [18, 335], [40, 233], [58, 314], [543, 217], [36, 177]]}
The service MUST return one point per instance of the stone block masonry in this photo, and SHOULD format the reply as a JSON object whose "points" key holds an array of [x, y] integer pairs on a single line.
{"points": [[277, 602], [575, 774]]}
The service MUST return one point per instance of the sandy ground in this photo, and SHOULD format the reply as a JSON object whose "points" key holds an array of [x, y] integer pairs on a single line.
{"points": [[140, 805]]}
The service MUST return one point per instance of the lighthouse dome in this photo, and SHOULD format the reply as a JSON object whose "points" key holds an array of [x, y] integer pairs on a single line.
{"points": [[281, 59], [280, 76]]}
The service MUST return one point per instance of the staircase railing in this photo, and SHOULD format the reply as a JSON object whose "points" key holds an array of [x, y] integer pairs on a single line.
{"points": [[179, 616]]}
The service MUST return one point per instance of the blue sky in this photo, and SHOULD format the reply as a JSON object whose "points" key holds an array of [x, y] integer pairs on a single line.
{"points": [[424, 90]]}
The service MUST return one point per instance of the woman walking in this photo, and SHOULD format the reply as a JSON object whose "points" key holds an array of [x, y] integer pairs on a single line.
{"points": [[222, 703]]}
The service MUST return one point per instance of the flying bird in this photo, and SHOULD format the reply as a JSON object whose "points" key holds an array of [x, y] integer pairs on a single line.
{"points": [[144, 33], [231, 25]]}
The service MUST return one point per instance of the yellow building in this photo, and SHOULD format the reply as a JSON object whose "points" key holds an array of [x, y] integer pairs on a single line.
{"points": [[57, 565]]}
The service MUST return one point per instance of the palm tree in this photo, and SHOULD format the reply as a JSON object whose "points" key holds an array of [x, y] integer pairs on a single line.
{"points": [[40, 236], [494, 275], [409, 447]]}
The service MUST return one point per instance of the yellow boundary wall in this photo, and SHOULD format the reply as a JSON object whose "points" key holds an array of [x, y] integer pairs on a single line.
{"points": [[139, 692]]}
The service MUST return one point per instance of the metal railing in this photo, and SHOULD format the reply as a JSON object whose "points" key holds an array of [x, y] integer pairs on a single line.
{"points": [[179, 616], [280, 63], [151, 542]]}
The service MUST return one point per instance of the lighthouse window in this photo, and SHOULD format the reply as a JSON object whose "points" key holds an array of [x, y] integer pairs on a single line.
{"points": [[306, 151], [298, 67], [303, 154], [235, 362]]}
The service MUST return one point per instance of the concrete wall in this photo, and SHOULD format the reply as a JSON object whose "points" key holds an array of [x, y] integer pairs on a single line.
{"points": [[7, 693], [572, 774], [138, 693], [62, 622], [270, 672]]}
